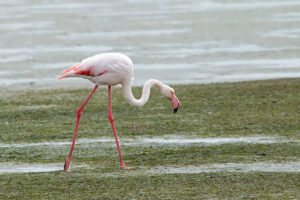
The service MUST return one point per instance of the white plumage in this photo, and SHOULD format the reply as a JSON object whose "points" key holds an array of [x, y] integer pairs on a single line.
{"points": [[103, 69]]}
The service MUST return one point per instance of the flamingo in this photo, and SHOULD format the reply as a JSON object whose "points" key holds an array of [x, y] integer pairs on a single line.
{"points": [[112, 69]]}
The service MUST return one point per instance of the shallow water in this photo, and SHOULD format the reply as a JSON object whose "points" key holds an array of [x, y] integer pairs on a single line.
{"points": [[27, 168], [11, 167], [179, 42], [169, 140], [230, 167]]}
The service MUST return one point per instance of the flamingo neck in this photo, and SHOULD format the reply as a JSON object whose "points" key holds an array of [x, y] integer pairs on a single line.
{"points": [[145, 95]]}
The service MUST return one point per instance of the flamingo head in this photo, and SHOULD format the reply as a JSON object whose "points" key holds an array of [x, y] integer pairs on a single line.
{"points": [[169, 93]]}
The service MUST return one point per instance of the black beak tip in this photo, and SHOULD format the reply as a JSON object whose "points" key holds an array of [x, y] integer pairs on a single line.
{"points": [[175, 110]]}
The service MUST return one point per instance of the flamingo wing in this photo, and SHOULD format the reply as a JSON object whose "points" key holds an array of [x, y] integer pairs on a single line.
{"points": [[82, 69], [117, 65]]}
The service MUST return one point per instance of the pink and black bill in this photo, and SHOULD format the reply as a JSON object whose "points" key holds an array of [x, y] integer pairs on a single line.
{"points": [[175, 102]]}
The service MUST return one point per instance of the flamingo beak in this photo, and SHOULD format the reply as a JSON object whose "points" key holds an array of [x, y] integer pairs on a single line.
{"points": [[175, 101]]}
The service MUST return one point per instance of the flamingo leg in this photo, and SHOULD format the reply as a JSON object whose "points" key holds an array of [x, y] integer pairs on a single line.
{"points": [[68, 160], [111, 119]]}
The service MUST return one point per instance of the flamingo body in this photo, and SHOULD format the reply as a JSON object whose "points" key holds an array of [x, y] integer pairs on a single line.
{"points": [[103, 69]]}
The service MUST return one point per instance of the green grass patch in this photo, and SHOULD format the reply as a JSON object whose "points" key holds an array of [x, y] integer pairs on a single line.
{"points": [[193, 154], [231, 109], [82, 185]]}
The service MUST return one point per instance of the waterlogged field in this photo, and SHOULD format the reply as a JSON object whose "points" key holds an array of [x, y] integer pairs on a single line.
{"points": [[227, 141]]}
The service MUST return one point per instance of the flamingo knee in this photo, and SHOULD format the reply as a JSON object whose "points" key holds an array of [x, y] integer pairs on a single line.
{"points": [[79, 111], [110, 117]]}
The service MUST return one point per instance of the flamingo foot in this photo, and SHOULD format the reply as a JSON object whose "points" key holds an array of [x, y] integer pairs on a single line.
{"points": [[122, 166], [67, 165]]}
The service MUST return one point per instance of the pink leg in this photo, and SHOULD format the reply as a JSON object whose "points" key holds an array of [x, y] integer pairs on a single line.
{"points": [[68, 160], [111, 119]]}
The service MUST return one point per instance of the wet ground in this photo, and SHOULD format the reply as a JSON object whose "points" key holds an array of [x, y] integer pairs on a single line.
{"points": [[229, 141], [14, 167], [164, 140], [179, 42], [144, 142]]}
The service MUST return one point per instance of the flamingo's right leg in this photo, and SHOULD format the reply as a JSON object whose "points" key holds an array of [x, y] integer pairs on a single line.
{"points": [[68, 160], [111, 119]]}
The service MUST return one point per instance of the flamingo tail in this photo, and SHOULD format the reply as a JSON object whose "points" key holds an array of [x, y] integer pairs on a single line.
{"points": [[69, 72]]}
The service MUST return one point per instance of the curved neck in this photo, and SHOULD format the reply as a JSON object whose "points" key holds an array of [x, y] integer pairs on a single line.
{"points": [[145, 95]]}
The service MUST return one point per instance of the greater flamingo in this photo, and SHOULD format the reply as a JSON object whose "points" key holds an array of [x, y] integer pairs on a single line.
{"points": [[112, 69]]}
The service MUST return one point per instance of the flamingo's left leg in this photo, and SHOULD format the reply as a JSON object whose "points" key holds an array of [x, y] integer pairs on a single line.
{"points": [[68, 160], [111, 119]]}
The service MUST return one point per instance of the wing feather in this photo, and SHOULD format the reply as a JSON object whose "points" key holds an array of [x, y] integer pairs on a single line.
{"points": [[81, 69]]}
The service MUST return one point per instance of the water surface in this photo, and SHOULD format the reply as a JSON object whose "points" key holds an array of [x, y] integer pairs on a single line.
{"points": [[179, 42]]}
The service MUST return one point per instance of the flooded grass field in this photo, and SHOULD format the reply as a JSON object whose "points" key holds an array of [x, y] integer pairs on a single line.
{"points": [[227, 141]]}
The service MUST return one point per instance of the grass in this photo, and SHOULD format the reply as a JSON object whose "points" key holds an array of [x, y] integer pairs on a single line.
{"points": [[256, 108], [82, 185], [249, 108]]}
